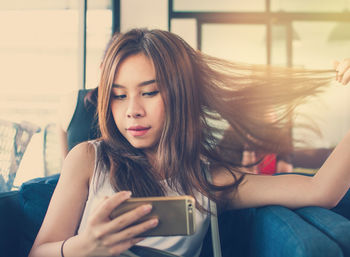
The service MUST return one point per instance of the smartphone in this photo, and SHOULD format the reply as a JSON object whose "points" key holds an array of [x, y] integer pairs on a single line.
{"points": [[175, 214]]}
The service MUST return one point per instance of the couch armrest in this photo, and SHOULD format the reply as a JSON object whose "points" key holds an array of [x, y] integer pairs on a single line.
{"points": [[10, 223], [330, 223], [281, 232]]}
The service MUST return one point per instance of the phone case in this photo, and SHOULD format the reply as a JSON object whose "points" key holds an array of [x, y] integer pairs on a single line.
{"points": [[175, 214]]}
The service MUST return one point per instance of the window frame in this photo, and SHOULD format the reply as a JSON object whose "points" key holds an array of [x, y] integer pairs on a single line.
{"points": [[267, 18]]}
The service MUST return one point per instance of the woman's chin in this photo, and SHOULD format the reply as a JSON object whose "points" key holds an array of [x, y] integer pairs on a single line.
{"points": [[142, 145], [148, 147]]}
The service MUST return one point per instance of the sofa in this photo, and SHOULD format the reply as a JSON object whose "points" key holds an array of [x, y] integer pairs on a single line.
{"points": [[271, 231]]}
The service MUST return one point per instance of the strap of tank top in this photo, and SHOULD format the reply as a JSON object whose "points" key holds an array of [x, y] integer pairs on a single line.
{"points": [[215, 236]]}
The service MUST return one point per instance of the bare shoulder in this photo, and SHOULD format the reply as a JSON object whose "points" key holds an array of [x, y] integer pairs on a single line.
{"points": [[68, 200], [80, 161]]}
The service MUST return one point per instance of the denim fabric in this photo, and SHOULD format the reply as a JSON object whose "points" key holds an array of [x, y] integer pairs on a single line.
{"points": [[279, 231], [330, 223]]}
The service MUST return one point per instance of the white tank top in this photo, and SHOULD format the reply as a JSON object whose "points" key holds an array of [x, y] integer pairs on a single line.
{"points": [[187, 246]]}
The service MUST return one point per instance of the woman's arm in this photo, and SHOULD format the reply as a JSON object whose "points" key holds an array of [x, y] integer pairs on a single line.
{"points": [[325, 189], [102, 236], [67, 203]]}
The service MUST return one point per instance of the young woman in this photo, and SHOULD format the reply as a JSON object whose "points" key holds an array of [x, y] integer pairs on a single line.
{"points": [[163, 108]]}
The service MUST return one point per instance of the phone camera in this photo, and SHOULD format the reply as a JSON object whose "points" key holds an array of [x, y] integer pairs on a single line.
{"points": [[190, 207]]}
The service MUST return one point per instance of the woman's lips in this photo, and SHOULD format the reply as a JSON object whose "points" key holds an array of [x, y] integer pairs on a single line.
{"points": [[138, 131]]}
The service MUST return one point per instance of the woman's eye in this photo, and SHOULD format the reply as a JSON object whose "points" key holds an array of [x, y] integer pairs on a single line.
{"points": [[118, 97], [150, 93]]}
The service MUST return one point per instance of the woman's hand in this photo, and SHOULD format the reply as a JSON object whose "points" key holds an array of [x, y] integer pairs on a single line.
{"points": [[106, 237], [343, 71]]}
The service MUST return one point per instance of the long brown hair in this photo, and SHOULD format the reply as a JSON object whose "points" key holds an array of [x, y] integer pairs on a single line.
{"points": [[204, 98]]}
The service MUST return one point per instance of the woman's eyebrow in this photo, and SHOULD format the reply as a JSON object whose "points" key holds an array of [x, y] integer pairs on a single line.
{"points": [[144, 83], [147, 82]]}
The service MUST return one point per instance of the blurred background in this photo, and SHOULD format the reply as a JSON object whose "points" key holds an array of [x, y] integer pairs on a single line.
{"points": [[51, 47]]}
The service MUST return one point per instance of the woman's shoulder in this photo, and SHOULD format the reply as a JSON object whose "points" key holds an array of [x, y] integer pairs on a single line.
{"points": [[85, 149], [80, 161]]}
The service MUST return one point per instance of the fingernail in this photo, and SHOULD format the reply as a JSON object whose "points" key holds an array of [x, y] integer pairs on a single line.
{"points": [[146, 208], [128, 193], [154, 222]]}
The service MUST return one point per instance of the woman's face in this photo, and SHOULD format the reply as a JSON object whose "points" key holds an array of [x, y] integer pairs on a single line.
{"points": [[136, 103]]}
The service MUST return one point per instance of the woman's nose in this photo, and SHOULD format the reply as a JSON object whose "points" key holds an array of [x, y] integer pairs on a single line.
{"points": [[135, 109]]}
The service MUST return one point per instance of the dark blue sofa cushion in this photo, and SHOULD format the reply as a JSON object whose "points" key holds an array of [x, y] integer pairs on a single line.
{"points": [[35, 197], [279, 231], [10, 223], [268, 231], [330, 223], [235, 228]]}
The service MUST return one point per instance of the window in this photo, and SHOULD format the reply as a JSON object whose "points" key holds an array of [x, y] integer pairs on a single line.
{"points": [[219, 5], [310, 5], [227, 41], [278, 32], [39, 62]]}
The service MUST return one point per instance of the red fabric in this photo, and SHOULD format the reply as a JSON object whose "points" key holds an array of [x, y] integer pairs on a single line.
{"points": [[268, 165]]}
